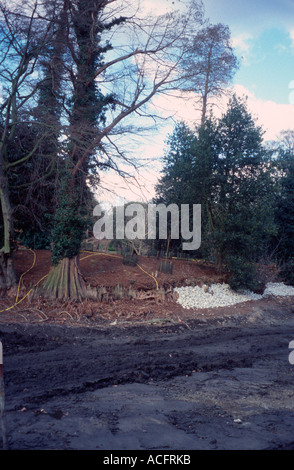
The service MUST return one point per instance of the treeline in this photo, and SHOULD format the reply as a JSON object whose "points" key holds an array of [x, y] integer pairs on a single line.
{"points": [[73, 73], [78, 77], [246, 190]]}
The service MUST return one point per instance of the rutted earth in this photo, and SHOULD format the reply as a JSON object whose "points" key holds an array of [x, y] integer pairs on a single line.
{"points": [[208, 382], [145, 373]]}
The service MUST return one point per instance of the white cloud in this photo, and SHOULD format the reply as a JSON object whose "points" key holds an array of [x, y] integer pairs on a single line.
{"points": [[292, 36], [273, 117], [156, 7], [242, 43]]}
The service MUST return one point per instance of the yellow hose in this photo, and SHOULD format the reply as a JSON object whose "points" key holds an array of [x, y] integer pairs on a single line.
{"points": [[19, 282], [17, 302], [149, 275], [34, 261]]}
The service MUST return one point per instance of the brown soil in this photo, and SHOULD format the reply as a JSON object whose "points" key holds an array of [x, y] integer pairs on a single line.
{"points": [[106, 270], [144, 374]]}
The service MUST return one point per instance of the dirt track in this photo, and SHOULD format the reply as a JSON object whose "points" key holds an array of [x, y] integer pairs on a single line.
{"points": [[224, 383]]}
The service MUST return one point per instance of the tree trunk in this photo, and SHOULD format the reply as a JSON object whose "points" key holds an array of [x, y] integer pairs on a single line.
{"points": [[7, 272], [205, 94], [64, 282]]}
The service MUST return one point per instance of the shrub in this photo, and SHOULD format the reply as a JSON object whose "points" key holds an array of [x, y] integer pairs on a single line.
{"points": [[242, 274], [287, 272]]}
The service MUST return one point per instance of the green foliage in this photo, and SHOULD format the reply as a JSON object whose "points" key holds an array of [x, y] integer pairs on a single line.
{"points": [[111, 248], [88, 107], [34, 239], [69, 224], [224, 167], [284, 240], [31, 185], [188, 172], [287, 272], [178, 164], [242, 273]]}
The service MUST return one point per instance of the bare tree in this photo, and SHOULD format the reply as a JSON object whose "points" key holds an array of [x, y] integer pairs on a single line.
{"points": [[209, 65], [142, 62]]}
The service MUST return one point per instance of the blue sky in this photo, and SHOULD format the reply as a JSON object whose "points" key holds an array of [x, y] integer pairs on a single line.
{"points": [[267, 66], [263, 34]]}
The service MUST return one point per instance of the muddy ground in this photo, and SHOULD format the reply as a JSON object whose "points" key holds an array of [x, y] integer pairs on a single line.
{"points": [[163, 380], [216, 384]]}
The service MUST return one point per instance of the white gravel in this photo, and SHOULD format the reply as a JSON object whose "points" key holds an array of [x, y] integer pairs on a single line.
{"points": [[221, 295]]}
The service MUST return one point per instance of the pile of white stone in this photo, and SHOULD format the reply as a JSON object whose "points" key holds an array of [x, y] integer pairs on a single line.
{"points": [[221, 295]]}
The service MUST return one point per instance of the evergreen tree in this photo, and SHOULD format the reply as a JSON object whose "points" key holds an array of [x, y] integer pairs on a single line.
{"points": [[174, 186], [228, 174], [245, 186], [189, 173], [284, 213]]}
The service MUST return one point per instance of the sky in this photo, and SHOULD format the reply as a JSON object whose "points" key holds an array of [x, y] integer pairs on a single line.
{"points": [[262, 34]]}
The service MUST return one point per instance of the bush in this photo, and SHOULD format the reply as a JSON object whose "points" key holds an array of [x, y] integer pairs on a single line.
{"points": [[35, 240], [287, 272], [242, 274]]}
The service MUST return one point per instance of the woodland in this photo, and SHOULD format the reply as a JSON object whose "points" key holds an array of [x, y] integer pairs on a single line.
{"points": [[79, 78]]}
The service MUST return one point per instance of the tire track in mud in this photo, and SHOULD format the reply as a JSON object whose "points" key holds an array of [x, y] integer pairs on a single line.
{"points": [[66, 362], [181, 385]]}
